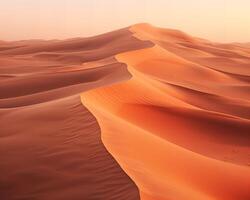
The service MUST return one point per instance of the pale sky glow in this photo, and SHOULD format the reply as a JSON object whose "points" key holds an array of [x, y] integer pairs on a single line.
{"points": [[218, 20]]}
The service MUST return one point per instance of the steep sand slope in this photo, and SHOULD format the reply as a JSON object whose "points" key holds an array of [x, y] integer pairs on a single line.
{"points": [[180, 126], [50, 146], [173, 110], [53, 151]]}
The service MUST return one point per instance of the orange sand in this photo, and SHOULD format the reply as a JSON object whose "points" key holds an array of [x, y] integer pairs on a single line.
{"points": [[172, 110], [178, 127]]}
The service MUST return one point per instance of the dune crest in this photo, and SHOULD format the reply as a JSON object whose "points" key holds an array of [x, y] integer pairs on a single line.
{"points": [[161, 115], [179, 127]]}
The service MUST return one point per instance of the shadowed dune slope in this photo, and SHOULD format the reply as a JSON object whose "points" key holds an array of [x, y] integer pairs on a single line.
{"points": [[162, 115], [54, 151], [50, 145], [180, 126]]}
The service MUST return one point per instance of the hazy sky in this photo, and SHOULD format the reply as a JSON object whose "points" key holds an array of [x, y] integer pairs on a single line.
{"points": [[218, 20]]}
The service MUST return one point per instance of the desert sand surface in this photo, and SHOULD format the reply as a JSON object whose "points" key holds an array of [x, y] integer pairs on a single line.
{"points": [[180, 126], [139, 113], [50, 144]]}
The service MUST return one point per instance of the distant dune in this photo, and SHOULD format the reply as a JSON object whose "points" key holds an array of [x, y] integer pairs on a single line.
{"points": [[139, 113]]}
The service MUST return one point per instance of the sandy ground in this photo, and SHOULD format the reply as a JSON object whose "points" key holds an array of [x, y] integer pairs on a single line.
{"points": [[139, 113], [50, 144], [182, 119]]}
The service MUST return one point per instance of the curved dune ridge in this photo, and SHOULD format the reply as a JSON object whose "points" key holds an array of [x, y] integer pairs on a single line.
{"points": [[161, 115], [180, 126]]}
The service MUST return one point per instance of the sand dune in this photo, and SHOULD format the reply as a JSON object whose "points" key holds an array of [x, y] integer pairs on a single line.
{"points": [[50, 145], [178, 127], [161, 115]]}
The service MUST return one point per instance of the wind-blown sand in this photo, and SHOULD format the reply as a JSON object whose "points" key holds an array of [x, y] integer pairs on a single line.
{"points": [[50, 144], [179, 127], [162, 115]]}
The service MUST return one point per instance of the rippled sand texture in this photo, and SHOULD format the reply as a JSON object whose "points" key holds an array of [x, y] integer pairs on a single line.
{"points": [[179, 127], [139, 113], [50, 144]]}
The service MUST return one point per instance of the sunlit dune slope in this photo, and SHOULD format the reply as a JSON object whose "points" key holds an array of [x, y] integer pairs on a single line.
{"points": [[162, 115], [180, 126]]}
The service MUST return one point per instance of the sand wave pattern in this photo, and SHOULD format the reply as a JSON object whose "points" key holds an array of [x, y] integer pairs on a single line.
{"points": [[161, 116]]}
